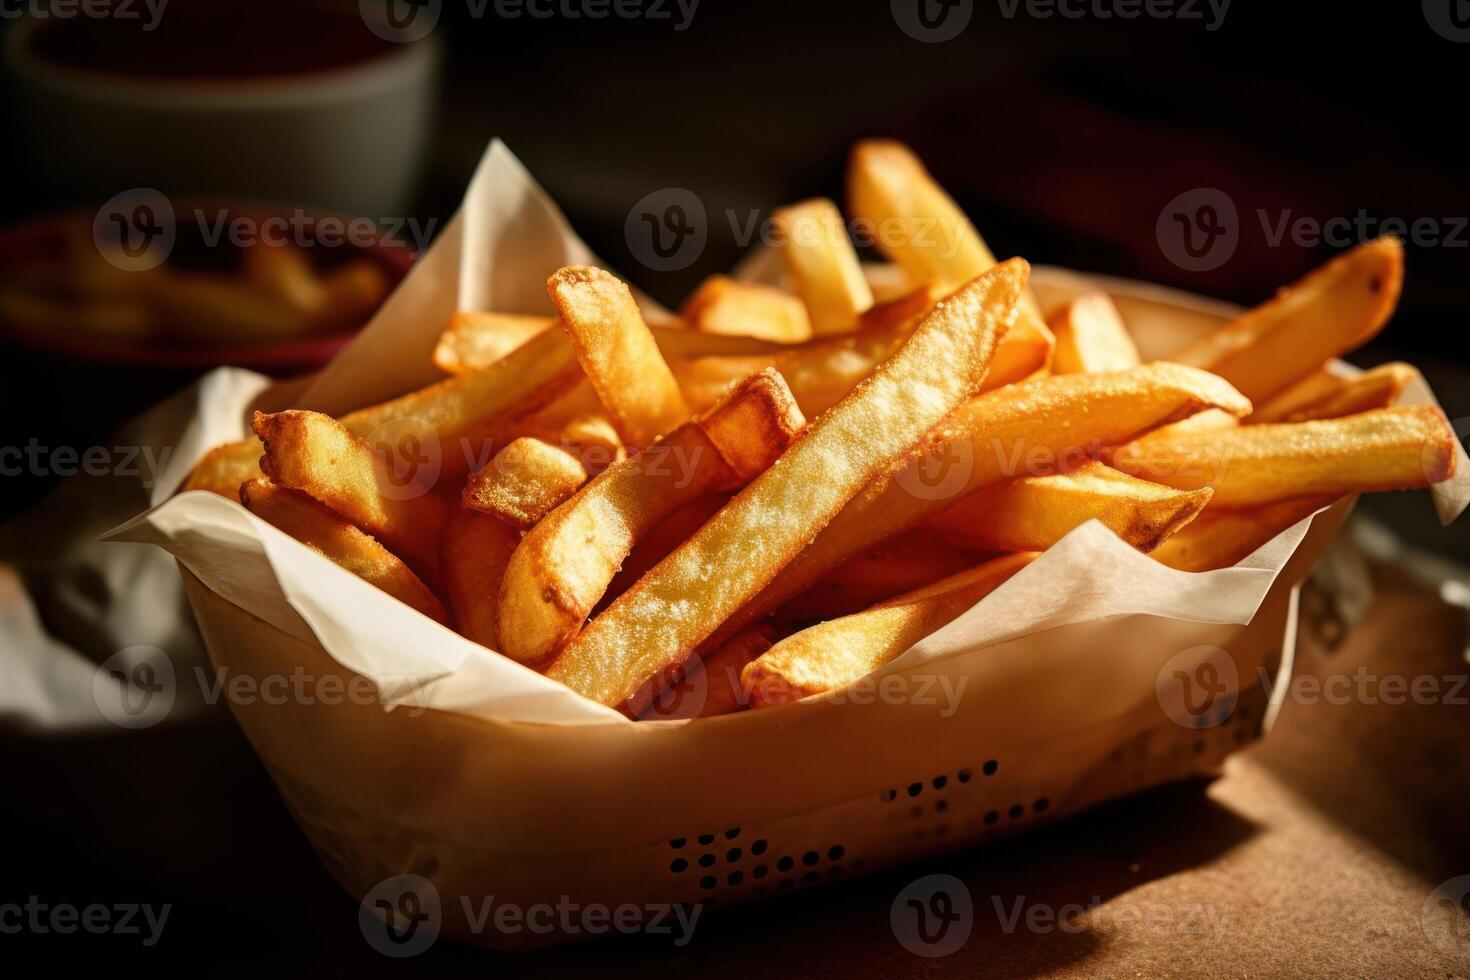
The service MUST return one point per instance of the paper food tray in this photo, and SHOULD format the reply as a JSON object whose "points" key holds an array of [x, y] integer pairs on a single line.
{"points": [[1070, 684]]}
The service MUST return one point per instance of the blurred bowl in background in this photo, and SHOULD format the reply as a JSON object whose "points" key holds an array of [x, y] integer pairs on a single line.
{"points": [[265, 100]]}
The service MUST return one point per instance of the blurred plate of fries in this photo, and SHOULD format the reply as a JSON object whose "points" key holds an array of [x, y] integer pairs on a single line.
{"points": [[279, 307]]}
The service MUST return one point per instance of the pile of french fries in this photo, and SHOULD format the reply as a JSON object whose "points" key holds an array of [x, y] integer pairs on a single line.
{"points": [[276, 294], [788, 487]]}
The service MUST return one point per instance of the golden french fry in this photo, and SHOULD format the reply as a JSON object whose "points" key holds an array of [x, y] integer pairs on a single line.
{"points": [[226, 467], [887, 280], [1334, 309], [524, 482], [746, 309], [833, 654], [455, 419], [1221, 538], [284, 272], [1386, 449], [913, 559], [566, 562], [326, 532], [1091, 336], [823, 265], [1324, 396], [354, 290], [474, 551], [1042, 426], [617, 352], [728, 560], [660, 542], [319, 456], [715, 681], [914, 222], [477, 340], [1034, 512]]}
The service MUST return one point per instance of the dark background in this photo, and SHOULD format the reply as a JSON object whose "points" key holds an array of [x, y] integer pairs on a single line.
{"points": [[1062, 138]]}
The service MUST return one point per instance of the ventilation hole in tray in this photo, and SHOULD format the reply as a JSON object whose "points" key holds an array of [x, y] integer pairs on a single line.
{"points": [[706, 860], [915, 789], [991, 816], [707, 882], [1016, 812], [784, 864], [706, 839], [888, 795], [760, 870], [732, 833], [733, 854], [677, 843], [939, 782], [964, 775], [941, 806], [678, 865], [990, 767], [835, 852], [734, 878], [758, 848], [810, 858], [1041, 804]]}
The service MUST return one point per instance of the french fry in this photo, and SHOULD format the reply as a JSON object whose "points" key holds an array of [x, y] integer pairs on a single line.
{"points": [[833, 654], [913, 559], [716, 678], [1221, 538], [660, 542], [566, 562], [728, 560], [218, 308], [284, 272], [746, 309], [323, 531], [524, 482], [354, 290], [1034, 512], [319, 456], [887, 280], [1334, 309], [1091, 337], [1324, 396], [915, 223], [1048, 425], [1386, 449], [225, 468], [475, 549], [618, 353], [823, 265], [478, 340]]}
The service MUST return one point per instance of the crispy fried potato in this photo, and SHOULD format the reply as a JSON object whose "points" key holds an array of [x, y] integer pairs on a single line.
{"points": [[823, 265], [915, 223], [317, 455], [1091, 336], [746, 309], [686, 597], [566, 562], [524, 482], [1034, 512], [284, 272], [1385, 449], [455, 419], [324, 531], [475, 549], [887, 280], [1332, 310], [354, 290], [225, 468], [1221, 538], [716, 678], [1038, 427], [1324, 396], [477, 340], [912, 560], [660, 542], [831, 655], [618, 353]]}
